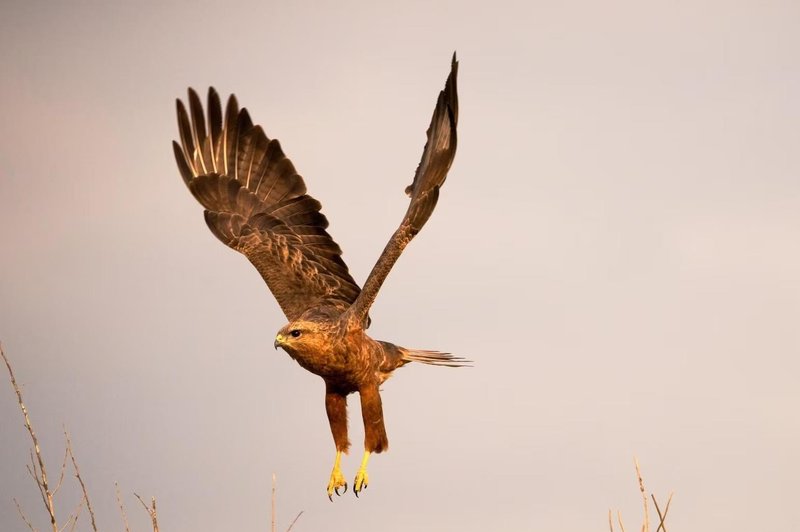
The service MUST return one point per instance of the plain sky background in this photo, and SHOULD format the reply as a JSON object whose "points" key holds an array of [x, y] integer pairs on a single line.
{"points": [[617, 247]]}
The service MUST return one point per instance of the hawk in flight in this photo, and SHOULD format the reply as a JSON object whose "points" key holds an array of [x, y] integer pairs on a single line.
{"points": [[256, 203]]}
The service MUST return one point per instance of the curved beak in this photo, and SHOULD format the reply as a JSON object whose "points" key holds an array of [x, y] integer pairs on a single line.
{"points": [[278, 341]]}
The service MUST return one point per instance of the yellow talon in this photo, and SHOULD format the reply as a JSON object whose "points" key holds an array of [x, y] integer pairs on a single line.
{"points": [[362, 478], [337, 478]]}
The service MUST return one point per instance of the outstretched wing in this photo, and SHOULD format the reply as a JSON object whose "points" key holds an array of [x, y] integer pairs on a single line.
{"points": [[440, 149], [256, 203]]}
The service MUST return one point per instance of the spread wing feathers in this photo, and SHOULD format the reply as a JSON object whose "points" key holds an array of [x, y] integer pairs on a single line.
{"points": [[437, 156], [256, 203]]}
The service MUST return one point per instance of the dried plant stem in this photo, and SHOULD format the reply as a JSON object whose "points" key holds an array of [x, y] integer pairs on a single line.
{"points": [[274, 482], [619, 519], [646, 523], [662, 517], [150, 510], [121, 508], [80, 480], [610, 521], [73, 518], [61, 476], [294, 521], [23, 516], [40, 476], [666, 509]]}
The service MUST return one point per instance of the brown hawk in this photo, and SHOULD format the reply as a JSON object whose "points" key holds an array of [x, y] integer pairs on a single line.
{"points": [[256, 203]]}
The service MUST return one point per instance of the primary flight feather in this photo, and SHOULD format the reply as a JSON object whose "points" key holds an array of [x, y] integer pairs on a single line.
{"points": [[256, 203]]}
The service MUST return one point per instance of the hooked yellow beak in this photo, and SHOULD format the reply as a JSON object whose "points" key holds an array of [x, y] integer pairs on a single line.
{"points": [[279, 341]]}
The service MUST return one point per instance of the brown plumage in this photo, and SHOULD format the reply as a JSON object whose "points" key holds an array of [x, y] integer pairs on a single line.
{"points": [[256, 203]]}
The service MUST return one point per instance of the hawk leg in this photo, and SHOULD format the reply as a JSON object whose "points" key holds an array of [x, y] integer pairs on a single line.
{"points": [[375, 440], [337, 478], [362, 478], [336, 407]]}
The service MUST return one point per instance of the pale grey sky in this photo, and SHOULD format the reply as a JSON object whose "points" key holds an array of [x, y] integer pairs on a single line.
{"points": [[616, 247]]}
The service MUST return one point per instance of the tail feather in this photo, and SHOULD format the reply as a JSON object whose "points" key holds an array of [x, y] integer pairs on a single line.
{"points": [[434, 358]]}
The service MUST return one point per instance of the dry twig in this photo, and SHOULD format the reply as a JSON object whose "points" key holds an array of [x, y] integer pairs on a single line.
{"points": [[151, 511], [40, 475], [294, 521], [22, 515], [274, 482], [121, 508], [646, 523], [61, 476], [73, 517], [274, 519], [662, 517], [80, 480]]}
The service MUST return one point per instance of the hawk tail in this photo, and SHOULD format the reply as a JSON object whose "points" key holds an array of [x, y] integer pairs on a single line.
{"points": [[434, 358]]}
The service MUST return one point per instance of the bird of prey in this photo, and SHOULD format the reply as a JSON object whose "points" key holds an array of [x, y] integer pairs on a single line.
{"points": [[256, 203]]}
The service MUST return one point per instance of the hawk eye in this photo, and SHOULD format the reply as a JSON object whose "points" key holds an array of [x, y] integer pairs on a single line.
{"points": [[295, 333]]}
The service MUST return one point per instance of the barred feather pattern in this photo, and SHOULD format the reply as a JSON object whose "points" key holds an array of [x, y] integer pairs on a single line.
{"points": [[256, 203]]}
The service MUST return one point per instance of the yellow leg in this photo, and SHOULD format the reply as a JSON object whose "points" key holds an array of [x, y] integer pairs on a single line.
{"points": [[337, 478], [362, 479]]}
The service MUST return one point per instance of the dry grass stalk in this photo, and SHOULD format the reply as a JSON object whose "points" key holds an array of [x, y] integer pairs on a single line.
{"points": [[23, 516], [294, 521], [662, 517], [38, 471], [121, 508], [151, 510], [39, 475], [61, 476], [73, 517], [646, 523], [80, 480], [274, 517]]}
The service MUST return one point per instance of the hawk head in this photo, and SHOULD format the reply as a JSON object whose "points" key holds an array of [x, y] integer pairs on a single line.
{"points": [[303, 338]]}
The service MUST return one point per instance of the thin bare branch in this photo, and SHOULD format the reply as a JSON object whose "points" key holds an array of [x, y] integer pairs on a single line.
{"points": [[294, 521], [43, 472], [658, 511], [122, 508], [610, 521], [61, 476], [152, 511], [619, 519], [34, 473], [662, 518], [669, 501], [274, 482], [22, 515], [646, 523], [80, 480], [74, 516], [71, 520], [155, 515]]}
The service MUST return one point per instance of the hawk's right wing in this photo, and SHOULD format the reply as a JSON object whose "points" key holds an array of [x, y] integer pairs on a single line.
{"points": [[256, 203]]}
